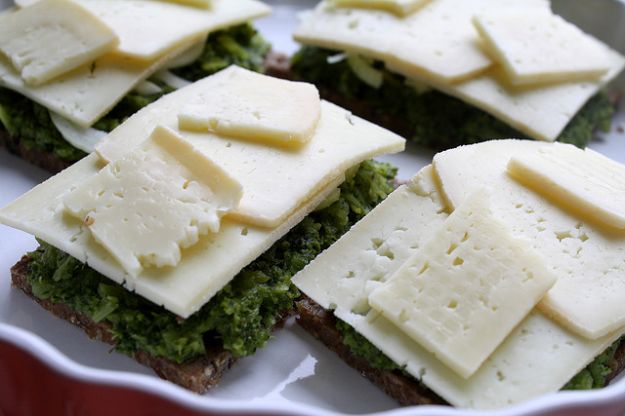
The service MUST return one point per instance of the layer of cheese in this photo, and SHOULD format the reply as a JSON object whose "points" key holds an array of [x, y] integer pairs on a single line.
{"points": [[588, 261], [581, 181], [342, 277], [467, 287], [156, 200], [84, 95], [205, 4], [151, 34], [148, 29], [438, 41], [246, 105], [27, 36], [205, 267], [541, 47], [399, 7], [439, 47], [276, 181]]}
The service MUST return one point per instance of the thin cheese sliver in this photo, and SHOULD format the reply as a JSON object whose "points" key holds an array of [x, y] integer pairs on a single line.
{"points": [[51, 38], [273, 110], [157, 200], [466, 289], [541, 47], [399, 7], [581, 181]]}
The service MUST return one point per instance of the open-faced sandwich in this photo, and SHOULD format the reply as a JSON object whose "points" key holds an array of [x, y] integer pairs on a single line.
{"points": [[176, 240], [494, 276], [73, 70], [451, 72]]}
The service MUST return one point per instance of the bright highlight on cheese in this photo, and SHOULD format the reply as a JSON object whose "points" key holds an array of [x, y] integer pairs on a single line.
{"points": [[399, 7], [466, 288], [247, 105], [157, 200], [51, 38], [580, 181], [538, 47]]}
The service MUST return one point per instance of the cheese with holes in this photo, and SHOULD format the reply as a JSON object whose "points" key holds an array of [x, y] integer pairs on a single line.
{"points": [[344, 275], [204, 269], [588, 261], [541, 47], [84, 95], [436, 42], [274, 110], [399, 7], [580, 181], [158, 199], [341, 141], [375, 247], [26, 36], [466, 288], [149, 29]]}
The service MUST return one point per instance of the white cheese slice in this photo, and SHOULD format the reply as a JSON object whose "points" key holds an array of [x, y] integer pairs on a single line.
{"points": [[171, 79], [149, 29], [539, 357], [588, 261], [273, 111], [342, 277], [541, 112], [81, 138], [147, 88], [466, 288], [581, 181], [84, 95], [156, 200], [437, 42], [375, 247], [399, 7], [541, 47], [205, 268], [51, 38], [341, 141], [189, 56]]}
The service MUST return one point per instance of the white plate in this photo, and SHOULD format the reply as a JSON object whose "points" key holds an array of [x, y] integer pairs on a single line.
{"points": [[294, 373]]}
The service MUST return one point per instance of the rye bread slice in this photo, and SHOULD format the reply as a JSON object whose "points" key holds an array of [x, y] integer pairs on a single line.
{"points": [[198, 375], [321, 323], [37, 157]]}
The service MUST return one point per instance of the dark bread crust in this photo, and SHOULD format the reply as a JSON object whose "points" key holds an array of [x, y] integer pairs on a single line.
{"points": [[321, 323], [44, 160], [198, 375]]}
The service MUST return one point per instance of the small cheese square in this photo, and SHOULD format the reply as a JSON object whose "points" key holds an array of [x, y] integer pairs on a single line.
{"points": [[582, 181], [538, 47], [154, 201], [251, 106], [52, 37], [399, 7], [466, 289]]}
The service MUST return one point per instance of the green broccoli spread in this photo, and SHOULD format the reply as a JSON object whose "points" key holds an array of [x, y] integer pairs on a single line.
{"points": [[31, 124], [437, 120], [591, 377], [240, 317]]}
